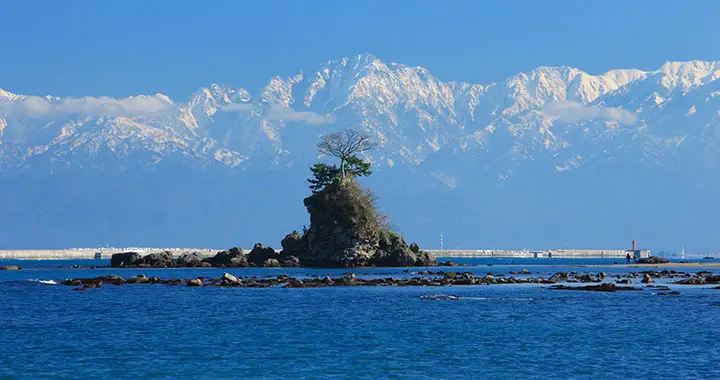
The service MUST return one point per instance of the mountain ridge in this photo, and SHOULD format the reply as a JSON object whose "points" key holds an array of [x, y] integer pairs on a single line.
{"points": [[453, 140]]}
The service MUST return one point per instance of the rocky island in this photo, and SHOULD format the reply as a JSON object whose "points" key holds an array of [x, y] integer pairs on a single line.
{"points": [[346, 229]]}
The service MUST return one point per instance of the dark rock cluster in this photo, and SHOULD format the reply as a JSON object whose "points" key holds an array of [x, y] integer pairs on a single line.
{"points": [[653, 260], [604, 287], [263, 256], [421, 278], [260, 256], [227, 279], [700, 278]]}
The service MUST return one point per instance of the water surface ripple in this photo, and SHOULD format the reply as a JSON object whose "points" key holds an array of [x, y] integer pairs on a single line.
{"points": [[506, 331]]}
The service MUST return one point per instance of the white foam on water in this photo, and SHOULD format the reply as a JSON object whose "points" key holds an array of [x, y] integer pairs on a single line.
{"points": [[46, 282]]}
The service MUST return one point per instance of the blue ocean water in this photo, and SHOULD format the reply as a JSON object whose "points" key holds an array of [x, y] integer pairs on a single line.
{"points": [[505, 331]]}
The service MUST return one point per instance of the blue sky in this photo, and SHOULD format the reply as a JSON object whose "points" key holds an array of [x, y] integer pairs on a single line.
{"points": [[121, 48]]}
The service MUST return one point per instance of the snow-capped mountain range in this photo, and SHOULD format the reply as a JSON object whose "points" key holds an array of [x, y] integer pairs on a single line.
{"points": [[562, 114], [552, 120]]}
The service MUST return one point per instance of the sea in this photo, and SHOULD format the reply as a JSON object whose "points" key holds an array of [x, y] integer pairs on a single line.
{"points": [[49, 331]]}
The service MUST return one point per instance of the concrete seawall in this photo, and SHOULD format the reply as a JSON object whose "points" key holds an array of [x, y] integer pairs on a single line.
{"points": [[90, 253], [105, 253], [552, 253]]}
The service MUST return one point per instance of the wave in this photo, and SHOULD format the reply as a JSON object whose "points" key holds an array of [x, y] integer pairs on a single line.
{"points": [[46, 282]]}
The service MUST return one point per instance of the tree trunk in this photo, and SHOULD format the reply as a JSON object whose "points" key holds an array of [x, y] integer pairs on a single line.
{"points": [[342, 167]]}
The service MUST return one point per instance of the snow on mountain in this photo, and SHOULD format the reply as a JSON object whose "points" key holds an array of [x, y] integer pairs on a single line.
{"points": [[549, 157], [558, 115]]}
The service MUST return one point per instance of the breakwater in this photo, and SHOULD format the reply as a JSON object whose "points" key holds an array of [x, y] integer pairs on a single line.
{"points": [[552, 253], [106, 253], [90, 253]]}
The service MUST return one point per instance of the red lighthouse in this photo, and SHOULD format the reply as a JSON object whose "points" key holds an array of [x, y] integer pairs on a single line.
{"points": [[634, 245]]}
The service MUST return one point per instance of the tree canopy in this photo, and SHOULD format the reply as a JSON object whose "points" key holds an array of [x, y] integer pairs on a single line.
{"points": [[345, 144], [325, 175]]}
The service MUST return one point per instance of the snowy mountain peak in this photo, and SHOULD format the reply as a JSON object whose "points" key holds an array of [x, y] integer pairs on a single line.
{"points": [[556, 114], [7, 96]]}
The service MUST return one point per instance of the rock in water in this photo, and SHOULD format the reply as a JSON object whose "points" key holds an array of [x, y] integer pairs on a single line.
{"points": [[139, 279], [713, 279], [157, 260], [393, 251], [440, 297], [647, 279], [234, 257], [124, 259], [191, 259], [344, 227], [425, 260], [271, 263], [289, 261], [195, 282], [346, 231], [260, 254], [585, 277], [559, 277], [653, 260], [291, 244], [10, 267], [605, 287], [229, 280]]}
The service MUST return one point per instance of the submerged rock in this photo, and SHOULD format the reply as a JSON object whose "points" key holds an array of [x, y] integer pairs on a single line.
{"points": [[691, 281], [440, 297], [139, 279], [605, 287], [229, 280]]}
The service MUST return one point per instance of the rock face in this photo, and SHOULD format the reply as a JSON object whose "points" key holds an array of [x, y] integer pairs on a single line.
{"points": [[124, 259], [233, 257], [157, 260], [346, 231], [291, 244], [192, 259], [261, 254]]}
